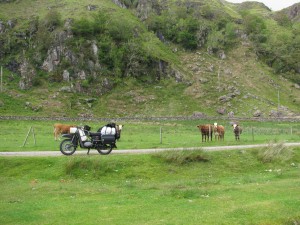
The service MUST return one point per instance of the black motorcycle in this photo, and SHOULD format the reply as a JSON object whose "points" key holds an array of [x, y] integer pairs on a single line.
{"points": [[83, 138]]}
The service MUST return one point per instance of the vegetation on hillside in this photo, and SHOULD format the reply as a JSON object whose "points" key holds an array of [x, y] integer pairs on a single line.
{"points": [[98, 46]]}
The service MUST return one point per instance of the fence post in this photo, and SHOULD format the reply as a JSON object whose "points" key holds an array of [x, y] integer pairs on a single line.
{"points": [[26, 137], [31, 129], [160, 135], [1, 89], [33, 135]]}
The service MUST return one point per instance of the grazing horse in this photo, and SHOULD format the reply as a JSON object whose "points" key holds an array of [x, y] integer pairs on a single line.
{"points": [[61, 129], [219, 132], [237, 130], [206, 131]]}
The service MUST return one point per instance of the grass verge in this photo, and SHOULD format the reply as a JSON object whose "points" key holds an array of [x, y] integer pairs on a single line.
{"points": [[229, 187]]}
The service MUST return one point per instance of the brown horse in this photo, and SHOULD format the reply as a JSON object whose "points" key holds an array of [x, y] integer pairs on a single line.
{"points": [[206, 131]]}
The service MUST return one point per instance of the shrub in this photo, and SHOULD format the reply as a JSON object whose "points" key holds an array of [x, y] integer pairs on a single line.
{"points": [[52, 20], [254, 24], [182, 157], [283, 19], [89, 28], [275, 152], [83, 27]]}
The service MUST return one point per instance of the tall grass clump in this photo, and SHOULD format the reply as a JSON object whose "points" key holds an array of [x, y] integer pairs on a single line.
{"points": [[89, 168], [181, 157], [275, 152]]}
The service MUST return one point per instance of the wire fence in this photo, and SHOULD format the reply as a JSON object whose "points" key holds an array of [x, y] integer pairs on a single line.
{"points": [[155, 132], [272, 131]]}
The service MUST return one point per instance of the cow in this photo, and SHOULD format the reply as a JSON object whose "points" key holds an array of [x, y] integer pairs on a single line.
{"points": [[237, 130], [119, 128], [219, 132], [206, 131], [61, 129]]}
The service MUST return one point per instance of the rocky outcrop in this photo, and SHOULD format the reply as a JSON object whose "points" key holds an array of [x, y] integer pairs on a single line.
{"points": [[53, 59], [257, 113], [92, 7], [119, 3], [58, 51], [2, 27], [146, 7], [27, 74], [66, 75], [199, 115], [221, 111], [293, 12]]}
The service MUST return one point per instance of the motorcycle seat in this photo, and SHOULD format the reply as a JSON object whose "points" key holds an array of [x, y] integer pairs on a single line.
{"points": [[95, 134]]}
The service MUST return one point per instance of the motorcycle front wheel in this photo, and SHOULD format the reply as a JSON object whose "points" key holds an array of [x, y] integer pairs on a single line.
{"points": [[105, 150], [67, 147]]}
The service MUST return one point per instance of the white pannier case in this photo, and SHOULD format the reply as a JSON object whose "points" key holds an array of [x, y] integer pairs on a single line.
{"points": [[82, 135], [108, 130], [73, 130]]}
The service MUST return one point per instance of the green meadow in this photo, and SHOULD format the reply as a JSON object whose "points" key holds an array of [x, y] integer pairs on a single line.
{"points": [[254, 186], [258, 186], [37, 135]]}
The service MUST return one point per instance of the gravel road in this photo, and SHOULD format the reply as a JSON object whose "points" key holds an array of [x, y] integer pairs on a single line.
{"points": [[139, 151]]}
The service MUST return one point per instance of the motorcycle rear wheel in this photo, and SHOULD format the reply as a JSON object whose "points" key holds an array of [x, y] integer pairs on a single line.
{"points": [[67, 147], [105, 150]]}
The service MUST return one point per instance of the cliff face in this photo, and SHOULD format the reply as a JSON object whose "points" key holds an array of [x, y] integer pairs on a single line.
{"points": [[92, 52], [293, 12]]}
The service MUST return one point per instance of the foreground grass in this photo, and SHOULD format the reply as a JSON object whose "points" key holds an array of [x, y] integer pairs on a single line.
{"points": [[187, 187]]}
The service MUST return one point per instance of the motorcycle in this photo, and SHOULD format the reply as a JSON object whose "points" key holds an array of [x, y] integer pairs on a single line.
{"points": [[103, 142]]}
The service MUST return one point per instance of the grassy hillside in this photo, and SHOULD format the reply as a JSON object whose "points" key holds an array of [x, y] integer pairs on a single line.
{"points": [[139, 75]]}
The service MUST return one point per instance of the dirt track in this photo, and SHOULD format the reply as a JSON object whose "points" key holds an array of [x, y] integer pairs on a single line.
{"points": [[139, 151]]}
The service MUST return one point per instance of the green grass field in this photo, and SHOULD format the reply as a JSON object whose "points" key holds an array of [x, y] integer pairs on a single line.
{"points": [[259, 186], [181, 187], [146, 134]]}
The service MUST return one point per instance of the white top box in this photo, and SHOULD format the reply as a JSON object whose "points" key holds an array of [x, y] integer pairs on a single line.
{"points": [[73, 130]]}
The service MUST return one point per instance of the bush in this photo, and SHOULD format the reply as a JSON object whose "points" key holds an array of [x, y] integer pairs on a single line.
{"points": [[283, 19], [216, 41], [275, 152], [182, 157], [83, 27], [89, 28], [52, 20]]}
